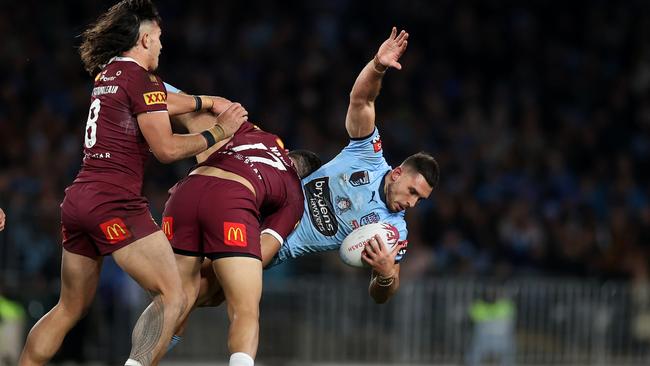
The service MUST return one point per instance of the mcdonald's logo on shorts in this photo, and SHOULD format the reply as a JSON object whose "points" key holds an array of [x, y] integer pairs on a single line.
{"points": [[155, 98], [64, 233], [115, 230], [234, 234], [168, 227]]}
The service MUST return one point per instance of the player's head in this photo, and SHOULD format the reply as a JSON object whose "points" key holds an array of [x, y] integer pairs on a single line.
{"points": [[127, 25], [411, 182], [305, 162]]}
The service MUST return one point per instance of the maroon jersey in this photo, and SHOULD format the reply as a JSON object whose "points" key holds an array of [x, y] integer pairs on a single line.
{"points": [[260, 157], [114, 149]]}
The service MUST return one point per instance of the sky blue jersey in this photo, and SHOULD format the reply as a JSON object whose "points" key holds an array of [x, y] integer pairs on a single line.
{"points": [[171, 88], [340, 196]]}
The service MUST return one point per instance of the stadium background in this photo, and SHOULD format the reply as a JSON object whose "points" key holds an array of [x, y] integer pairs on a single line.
{"points": [[538, 113]]}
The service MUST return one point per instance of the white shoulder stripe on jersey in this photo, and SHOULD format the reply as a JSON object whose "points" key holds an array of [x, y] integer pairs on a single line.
{"points": [[274, 234]]}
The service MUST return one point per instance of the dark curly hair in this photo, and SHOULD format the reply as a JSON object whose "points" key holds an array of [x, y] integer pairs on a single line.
{"points": [[115, 32]]}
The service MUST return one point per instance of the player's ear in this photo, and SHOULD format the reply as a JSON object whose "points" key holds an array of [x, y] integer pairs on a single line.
{"points": [[145, 39], [396, 172], [145, 35]]}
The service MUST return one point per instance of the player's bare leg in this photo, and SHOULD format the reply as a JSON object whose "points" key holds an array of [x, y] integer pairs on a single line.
{"points": [[150, 261], [79, 278], [210, 292], [190, 270], [241, 280]]}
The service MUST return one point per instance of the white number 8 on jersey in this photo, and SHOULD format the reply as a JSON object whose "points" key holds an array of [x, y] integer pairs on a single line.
{"points": [[90, 134]]}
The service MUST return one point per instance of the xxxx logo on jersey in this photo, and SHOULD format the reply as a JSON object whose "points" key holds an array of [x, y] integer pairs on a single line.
{"points": [[155, 98]]}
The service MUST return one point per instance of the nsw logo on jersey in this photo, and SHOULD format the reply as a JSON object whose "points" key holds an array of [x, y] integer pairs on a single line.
{"points": [[321, 209], [359, 178]]}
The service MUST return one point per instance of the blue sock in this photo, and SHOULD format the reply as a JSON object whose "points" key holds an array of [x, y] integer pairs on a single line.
{"points": [[175, 340]]}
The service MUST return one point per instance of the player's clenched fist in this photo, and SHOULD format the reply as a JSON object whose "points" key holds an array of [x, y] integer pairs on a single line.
{"points": [[381, 259], [232, 118]]}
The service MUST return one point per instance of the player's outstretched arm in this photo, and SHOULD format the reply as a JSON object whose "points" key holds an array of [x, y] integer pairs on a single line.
{"points": [[169, 147], [360, 120], [179, 103], [384, 280]]}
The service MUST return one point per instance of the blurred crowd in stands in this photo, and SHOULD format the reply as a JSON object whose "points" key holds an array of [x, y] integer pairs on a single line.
{"points": [[538, 113]]}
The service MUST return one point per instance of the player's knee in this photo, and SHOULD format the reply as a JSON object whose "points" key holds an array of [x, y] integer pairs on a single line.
{"points": [[72, 312], [174, 300], [250, 312]]}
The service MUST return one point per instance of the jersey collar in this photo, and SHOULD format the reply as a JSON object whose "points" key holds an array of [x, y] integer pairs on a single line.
{"points": [[122, 58], [382, 194]]}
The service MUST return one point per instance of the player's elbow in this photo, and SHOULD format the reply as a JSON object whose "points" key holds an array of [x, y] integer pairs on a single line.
{"points": [[164, 157], [166, 154]]}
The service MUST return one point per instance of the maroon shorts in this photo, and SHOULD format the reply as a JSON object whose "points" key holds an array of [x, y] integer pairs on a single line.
{"points": [[99, 218], [212, 217]]}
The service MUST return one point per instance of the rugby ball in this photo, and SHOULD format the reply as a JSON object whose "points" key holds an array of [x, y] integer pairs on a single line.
{"points": [[354, 244]]}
